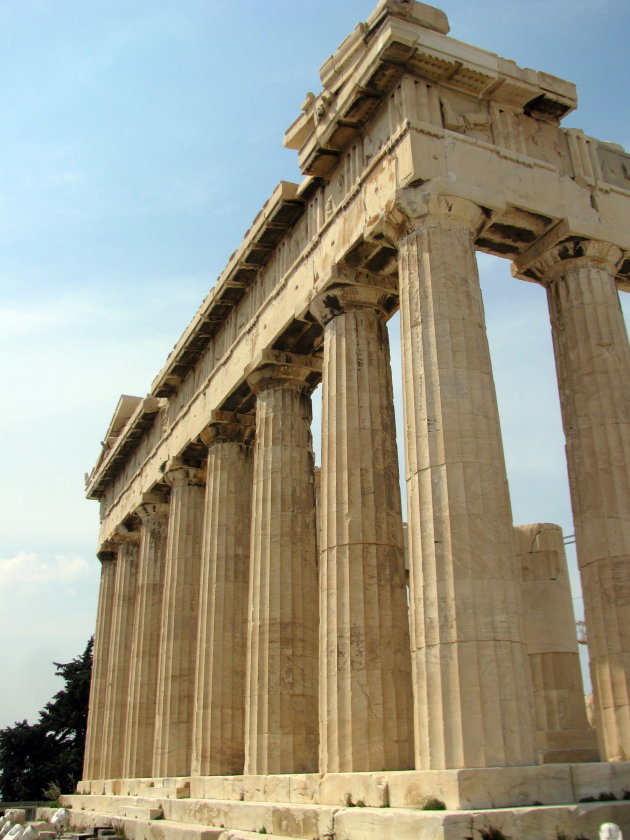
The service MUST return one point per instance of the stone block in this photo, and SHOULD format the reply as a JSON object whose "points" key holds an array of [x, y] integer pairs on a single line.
{"points": [[305, 788], [141, 812], [113, 787], [16, 815], [247, 815], [354, 789], [394, 824], [169, 783], [601, 777], [491, 787], [272, 788], [162, 830], [294, 820], [411, 789], [238, 834], [552, 822], [132, 787], [217, 787]]}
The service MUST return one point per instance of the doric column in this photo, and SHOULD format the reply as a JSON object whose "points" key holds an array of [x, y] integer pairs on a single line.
{"points": [[365, 680], [139, 739], [180, 612], [119, 668], [472, 694], [562, 730], [94, 754], [219, 730], [593, 367], [283, 627]]}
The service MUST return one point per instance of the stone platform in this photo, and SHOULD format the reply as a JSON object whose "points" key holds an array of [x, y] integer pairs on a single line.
{"points": [[533, 803]]}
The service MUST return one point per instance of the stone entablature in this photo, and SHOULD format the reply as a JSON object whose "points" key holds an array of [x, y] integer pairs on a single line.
{"points": [[419, 151]]}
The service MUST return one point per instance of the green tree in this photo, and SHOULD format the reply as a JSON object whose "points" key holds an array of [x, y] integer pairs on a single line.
{"points": [[51, 750]]}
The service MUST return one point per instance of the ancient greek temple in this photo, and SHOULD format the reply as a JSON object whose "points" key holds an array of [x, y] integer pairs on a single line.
{"points": [[274, 650]]}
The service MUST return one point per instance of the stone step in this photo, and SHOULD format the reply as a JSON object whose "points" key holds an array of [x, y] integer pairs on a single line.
{"points": [[136, 829], [286, 819], [538, 823], [229, 820], [236, 834], [464, 789], [141, 812]]}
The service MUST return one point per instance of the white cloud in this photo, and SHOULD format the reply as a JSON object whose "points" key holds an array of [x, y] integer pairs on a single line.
{"points": [[30, 569], [55, 180]]}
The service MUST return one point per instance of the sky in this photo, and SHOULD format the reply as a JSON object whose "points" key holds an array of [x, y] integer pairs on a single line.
{"points": [[139, 139]]}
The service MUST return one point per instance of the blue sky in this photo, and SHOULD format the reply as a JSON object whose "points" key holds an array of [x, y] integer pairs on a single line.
{"points": [[139, 139]]}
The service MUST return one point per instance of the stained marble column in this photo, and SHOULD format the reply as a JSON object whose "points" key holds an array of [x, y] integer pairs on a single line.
{"points": [[562, 730], [180, 612], [365, 680], [139, 738], [119, 666], [219, 730], [283, 627], [472, 696], [593, 367], [93, 763]]}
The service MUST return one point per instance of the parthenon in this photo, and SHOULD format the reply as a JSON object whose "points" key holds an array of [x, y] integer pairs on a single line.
{"points": [[274, 646]]}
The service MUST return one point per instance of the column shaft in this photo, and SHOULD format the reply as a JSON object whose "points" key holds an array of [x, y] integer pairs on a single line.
{"points": [[472, 694], [281, 690], [139, 739], [119, 666], [562, 730], [94, 754], [180, 611], [593, 366], [365, 679], [219, 732]]}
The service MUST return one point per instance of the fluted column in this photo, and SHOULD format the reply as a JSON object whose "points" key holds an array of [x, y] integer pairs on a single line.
{"points": [[139, 739], [219, 730], [472, 696], [593, 367], [180, 612], [365, 680], [119, 668], [94, 754], [562, 730], [283, 626]]}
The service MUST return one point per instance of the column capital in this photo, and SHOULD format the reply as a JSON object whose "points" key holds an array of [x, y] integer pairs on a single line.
{"points": [[350, 289], [107, 552], [416, 209], [125, 536], [149, 510], [275, 368], [177, 473], [229, 426], [542, 263]]}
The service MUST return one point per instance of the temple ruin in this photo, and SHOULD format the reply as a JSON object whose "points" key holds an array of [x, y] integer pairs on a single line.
{"points": [[260, 666]]}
